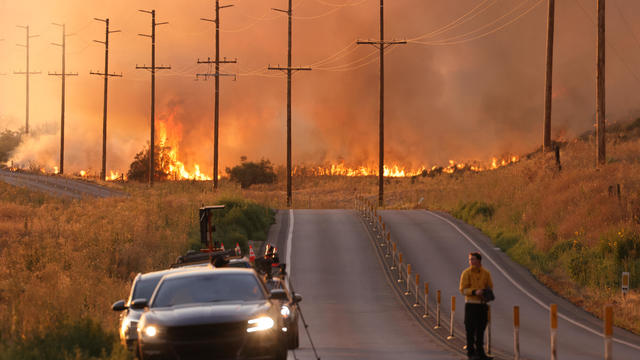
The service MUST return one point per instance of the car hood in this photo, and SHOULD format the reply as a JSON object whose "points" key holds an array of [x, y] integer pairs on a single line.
{"points": [[206, 313]]}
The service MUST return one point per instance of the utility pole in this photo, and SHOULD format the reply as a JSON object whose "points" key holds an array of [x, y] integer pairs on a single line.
{"points": [[63, 75], [27, 73], [381, 45], [546, 141], [153, 69], [600, 95], [289, 70], [216, 75], [103, 171]]}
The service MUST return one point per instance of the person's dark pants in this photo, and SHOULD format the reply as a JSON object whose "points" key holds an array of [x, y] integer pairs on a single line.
{"points": [[475, 321]]}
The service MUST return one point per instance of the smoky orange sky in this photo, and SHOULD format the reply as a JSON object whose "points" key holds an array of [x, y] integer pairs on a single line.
{"points": [[454, 97]]}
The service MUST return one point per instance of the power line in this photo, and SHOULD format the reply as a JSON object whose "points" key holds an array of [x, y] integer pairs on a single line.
{"points": [[289, 69], [381, 44], [217, 76], [63, 75], [153, 69], [106, 74], [27, 73]]}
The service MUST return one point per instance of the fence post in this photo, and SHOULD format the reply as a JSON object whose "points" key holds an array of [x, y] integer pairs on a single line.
{"points": [[417, 303], [388, 244], [426, 300], [437, 310], [608, 332], [453, 311], [554, 330], [393, 256], [516, 332]]}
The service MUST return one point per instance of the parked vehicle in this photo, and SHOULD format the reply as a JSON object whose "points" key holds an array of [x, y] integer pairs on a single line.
{"points": [[221, 313], [288, 310], [142, 288]]}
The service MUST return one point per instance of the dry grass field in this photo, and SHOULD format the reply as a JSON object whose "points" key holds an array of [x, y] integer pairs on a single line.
{"points": [[63, 260]]}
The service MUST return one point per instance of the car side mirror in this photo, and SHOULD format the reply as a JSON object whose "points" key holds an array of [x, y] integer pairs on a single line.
{"points": [[139, 304], [297, 298], [278, 294], [119, 306]]}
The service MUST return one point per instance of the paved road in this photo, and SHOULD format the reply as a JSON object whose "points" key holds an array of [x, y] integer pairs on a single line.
{"points": [[56, 185], [350, 307], [438, 251]]}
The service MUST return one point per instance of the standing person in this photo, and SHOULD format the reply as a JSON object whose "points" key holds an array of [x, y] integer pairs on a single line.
{"points": [[473, 283]]}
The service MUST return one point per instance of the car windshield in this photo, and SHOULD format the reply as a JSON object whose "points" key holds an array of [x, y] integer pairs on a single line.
{"points": [[144, 288], [208, 288]]}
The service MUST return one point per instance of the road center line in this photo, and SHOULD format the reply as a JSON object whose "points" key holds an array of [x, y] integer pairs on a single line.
{"points": [[535, 299]]}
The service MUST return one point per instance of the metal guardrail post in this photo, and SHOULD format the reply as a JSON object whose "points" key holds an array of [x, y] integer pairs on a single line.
{"points": [[399, 267], [388, 244], [516, 333], [553, 309], [453, 311], [393, 257], [437, 310]]}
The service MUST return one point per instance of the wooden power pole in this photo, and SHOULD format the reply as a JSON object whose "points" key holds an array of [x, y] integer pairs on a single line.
{"points": [[381, 45], [153, 69], [27, 73], [63, 75], [600, 89], [546, 142], [289, 70], [216, 75], [103, 169]]}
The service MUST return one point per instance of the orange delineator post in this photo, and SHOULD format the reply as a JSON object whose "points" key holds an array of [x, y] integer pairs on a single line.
{"points": [[608, 332], [417, 303], [437, 310], [453, 311], [426, 300], [516, 332], [400, 267], [553, 308], [408, 291]]}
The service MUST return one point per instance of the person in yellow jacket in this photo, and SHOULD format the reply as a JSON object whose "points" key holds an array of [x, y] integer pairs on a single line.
{"points": [[473, 281]]}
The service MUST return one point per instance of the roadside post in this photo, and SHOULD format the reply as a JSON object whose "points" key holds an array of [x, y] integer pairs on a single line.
{"points": [[437, 310], [417, 303], [489, 330], [400, 267], [608, 332], [453, 311], [387, 254], [554, 330], [393, 256], [408, 290], [625, 284], [516, 332], [426, 300]]}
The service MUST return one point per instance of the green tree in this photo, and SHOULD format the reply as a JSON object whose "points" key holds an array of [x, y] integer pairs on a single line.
{"points": [[9, 140], [139, 168], [249, 173]]}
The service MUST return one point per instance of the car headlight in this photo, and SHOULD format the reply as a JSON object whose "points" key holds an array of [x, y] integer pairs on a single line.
{"points": [[151, 331], [285, 311], [260, 324]]}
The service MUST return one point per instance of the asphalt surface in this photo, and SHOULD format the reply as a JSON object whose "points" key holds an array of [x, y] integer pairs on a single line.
{"points": [[57, 186], [437, 247], [350, 307]]}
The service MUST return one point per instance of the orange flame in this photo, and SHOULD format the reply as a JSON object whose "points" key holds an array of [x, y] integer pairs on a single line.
{"points": [[169, 135]]}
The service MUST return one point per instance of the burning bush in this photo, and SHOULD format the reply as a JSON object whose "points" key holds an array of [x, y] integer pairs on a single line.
{"points": [[249, 173], [139, 168]]}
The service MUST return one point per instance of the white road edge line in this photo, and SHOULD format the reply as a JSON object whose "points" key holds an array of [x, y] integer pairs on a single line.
{"points": [[288, 245], [538, 301]]}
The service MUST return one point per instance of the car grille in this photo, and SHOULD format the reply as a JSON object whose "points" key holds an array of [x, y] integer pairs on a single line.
{"points": [[208, 332]]}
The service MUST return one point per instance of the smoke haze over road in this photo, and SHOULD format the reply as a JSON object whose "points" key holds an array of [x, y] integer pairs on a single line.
{"points": [[450, 99]]}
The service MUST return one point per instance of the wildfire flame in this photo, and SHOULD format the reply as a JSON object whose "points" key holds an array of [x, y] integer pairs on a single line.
{"points": [[176, 169], [396, 170]]}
